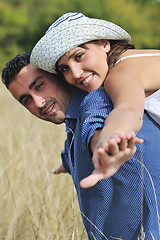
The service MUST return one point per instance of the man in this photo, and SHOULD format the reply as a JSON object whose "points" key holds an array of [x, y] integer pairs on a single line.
{"points": [[33, 88], [38, 91], [120, 206], [126, 205], [32, 84]]}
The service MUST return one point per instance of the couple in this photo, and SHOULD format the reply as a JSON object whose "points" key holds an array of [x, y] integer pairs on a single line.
{"points": [[114, 205]]}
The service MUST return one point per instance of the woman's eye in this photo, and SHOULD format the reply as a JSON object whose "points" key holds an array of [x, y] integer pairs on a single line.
{"points": [[63, 69], [78, 56]]}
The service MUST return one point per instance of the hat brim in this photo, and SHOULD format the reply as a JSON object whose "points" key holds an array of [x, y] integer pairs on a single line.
{"points": [[62, 39]]}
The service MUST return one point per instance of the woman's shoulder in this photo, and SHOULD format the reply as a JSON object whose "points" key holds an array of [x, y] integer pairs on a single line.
{"points": [[138, 54], [138, 64]]}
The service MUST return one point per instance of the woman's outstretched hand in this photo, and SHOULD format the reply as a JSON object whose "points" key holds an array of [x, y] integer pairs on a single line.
{"points": [[108, 160]]}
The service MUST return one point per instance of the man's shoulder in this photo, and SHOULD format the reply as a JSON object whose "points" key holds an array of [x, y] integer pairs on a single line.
{"points": [[77, 98], [98, 97]]}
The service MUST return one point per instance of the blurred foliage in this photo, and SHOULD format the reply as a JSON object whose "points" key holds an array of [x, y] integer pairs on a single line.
{"points": [[24, 22]]}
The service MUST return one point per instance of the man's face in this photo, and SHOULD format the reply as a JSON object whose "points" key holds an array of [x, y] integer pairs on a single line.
{"points": [[42, 93]]}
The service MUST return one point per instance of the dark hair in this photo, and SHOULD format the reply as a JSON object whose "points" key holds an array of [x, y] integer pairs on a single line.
{"points": [[117, 48], [14, 66]]}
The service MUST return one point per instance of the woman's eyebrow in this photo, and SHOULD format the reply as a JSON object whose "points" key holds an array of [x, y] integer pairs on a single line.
{"points": [[72, 55]]}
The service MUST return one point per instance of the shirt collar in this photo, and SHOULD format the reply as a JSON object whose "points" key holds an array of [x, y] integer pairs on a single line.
{"points": [[75, 103]]}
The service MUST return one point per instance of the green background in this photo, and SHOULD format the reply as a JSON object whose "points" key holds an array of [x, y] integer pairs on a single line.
{"points": [[24, 22]]}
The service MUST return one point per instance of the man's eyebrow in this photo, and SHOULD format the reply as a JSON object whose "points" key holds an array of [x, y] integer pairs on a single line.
{"points": [[34, 82]]}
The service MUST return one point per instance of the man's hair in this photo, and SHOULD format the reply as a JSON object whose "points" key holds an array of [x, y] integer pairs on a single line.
{"points": [[14, 66]]}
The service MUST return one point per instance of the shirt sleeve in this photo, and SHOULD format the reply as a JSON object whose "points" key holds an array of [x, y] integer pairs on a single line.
{"points": [[93, 112], [64, 157]]}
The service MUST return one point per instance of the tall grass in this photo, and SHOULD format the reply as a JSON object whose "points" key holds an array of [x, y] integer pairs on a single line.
{"points": [[34, 204]]}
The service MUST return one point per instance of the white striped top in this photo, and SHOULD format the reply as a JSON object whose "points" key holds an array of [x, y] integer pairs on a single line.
{"points": [[152, 102]]}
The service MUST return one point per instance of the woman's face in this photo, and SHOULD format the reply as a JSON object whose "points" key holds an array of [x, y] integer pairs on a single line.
{"points": [[86, 66]]}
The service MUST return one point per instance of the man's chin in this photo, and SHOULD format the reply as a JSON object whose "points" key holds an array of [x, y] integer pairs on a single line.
{"points": [[54, 119], [58, 121]]}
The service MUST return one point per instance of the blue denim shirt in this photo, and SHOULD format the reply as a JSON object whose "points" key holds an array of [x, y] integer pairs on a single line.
{"points": [[117, 207], [71, 121]]}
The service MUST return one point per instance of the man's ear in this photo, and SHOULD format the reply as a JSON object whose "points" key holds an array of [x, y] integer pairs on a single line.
{"points": [[105, 43]]}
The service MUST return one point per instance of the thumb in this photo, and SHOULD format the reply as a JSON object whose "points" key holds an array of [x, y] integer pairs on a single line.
{"points": [[95, 159], [91, 180]]}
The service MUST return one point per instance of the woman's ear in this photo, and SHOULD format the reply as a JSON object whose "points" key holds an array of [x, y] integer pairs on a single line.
{"points": [[105, 43]]}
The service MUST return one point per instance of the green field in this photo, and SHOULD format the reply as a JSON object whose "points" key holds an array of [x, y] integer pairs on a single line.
{"points": [[34, 203]]}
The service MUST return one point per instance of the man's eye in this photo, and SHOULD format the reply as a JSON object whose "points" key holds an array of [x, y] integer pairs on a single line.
{"points": [[26, 101], [38, 86]]}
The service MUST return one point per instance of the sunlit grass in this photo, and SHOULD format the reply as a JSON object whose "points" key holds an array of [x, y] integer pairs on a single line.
{"points": [[34, 204]]}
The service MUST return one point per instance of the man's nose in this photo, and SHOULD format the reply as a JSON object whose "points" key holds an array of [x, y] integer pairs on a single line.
{"points": [[39, 101]]}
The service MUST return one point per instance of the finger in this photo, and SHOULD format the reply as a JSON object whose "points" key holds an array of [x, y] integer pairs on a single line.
{"points": [[123, 143], [133, 139], [104, 157], [96, 176], [131, 143], [113, 147], [131, 135], [95, 159], [54, 171], [91, 180], [88, 182], [106, 149], [139, 140], [59, 170]]}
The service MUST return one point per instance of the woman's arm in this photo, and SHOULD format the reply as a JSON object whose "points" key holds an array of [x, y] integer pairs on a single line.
{"points": [[127, 94]]}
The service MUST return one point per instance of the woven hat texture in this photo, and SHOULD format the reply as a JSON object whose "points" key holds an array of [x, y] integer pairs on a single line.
{"points": [[69, 31]]}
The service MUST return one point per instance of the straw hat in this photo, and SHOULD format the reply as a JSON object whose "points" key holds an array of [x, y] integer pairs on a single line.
{"points": [[69, 31]]}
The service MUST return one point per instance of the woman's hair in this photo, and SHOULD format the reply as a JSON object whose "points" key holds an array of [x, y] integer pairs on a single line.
{"points": [[117, 48]]}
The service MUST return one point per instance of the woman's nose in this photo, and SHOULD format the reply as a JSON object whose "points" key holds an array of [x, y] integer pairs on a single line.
{"points": [[76, 72]]}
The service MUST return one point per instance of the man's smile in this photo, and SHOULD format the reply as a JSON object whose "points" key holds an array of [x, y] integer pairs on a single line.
{"points": [[50, 108]]}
